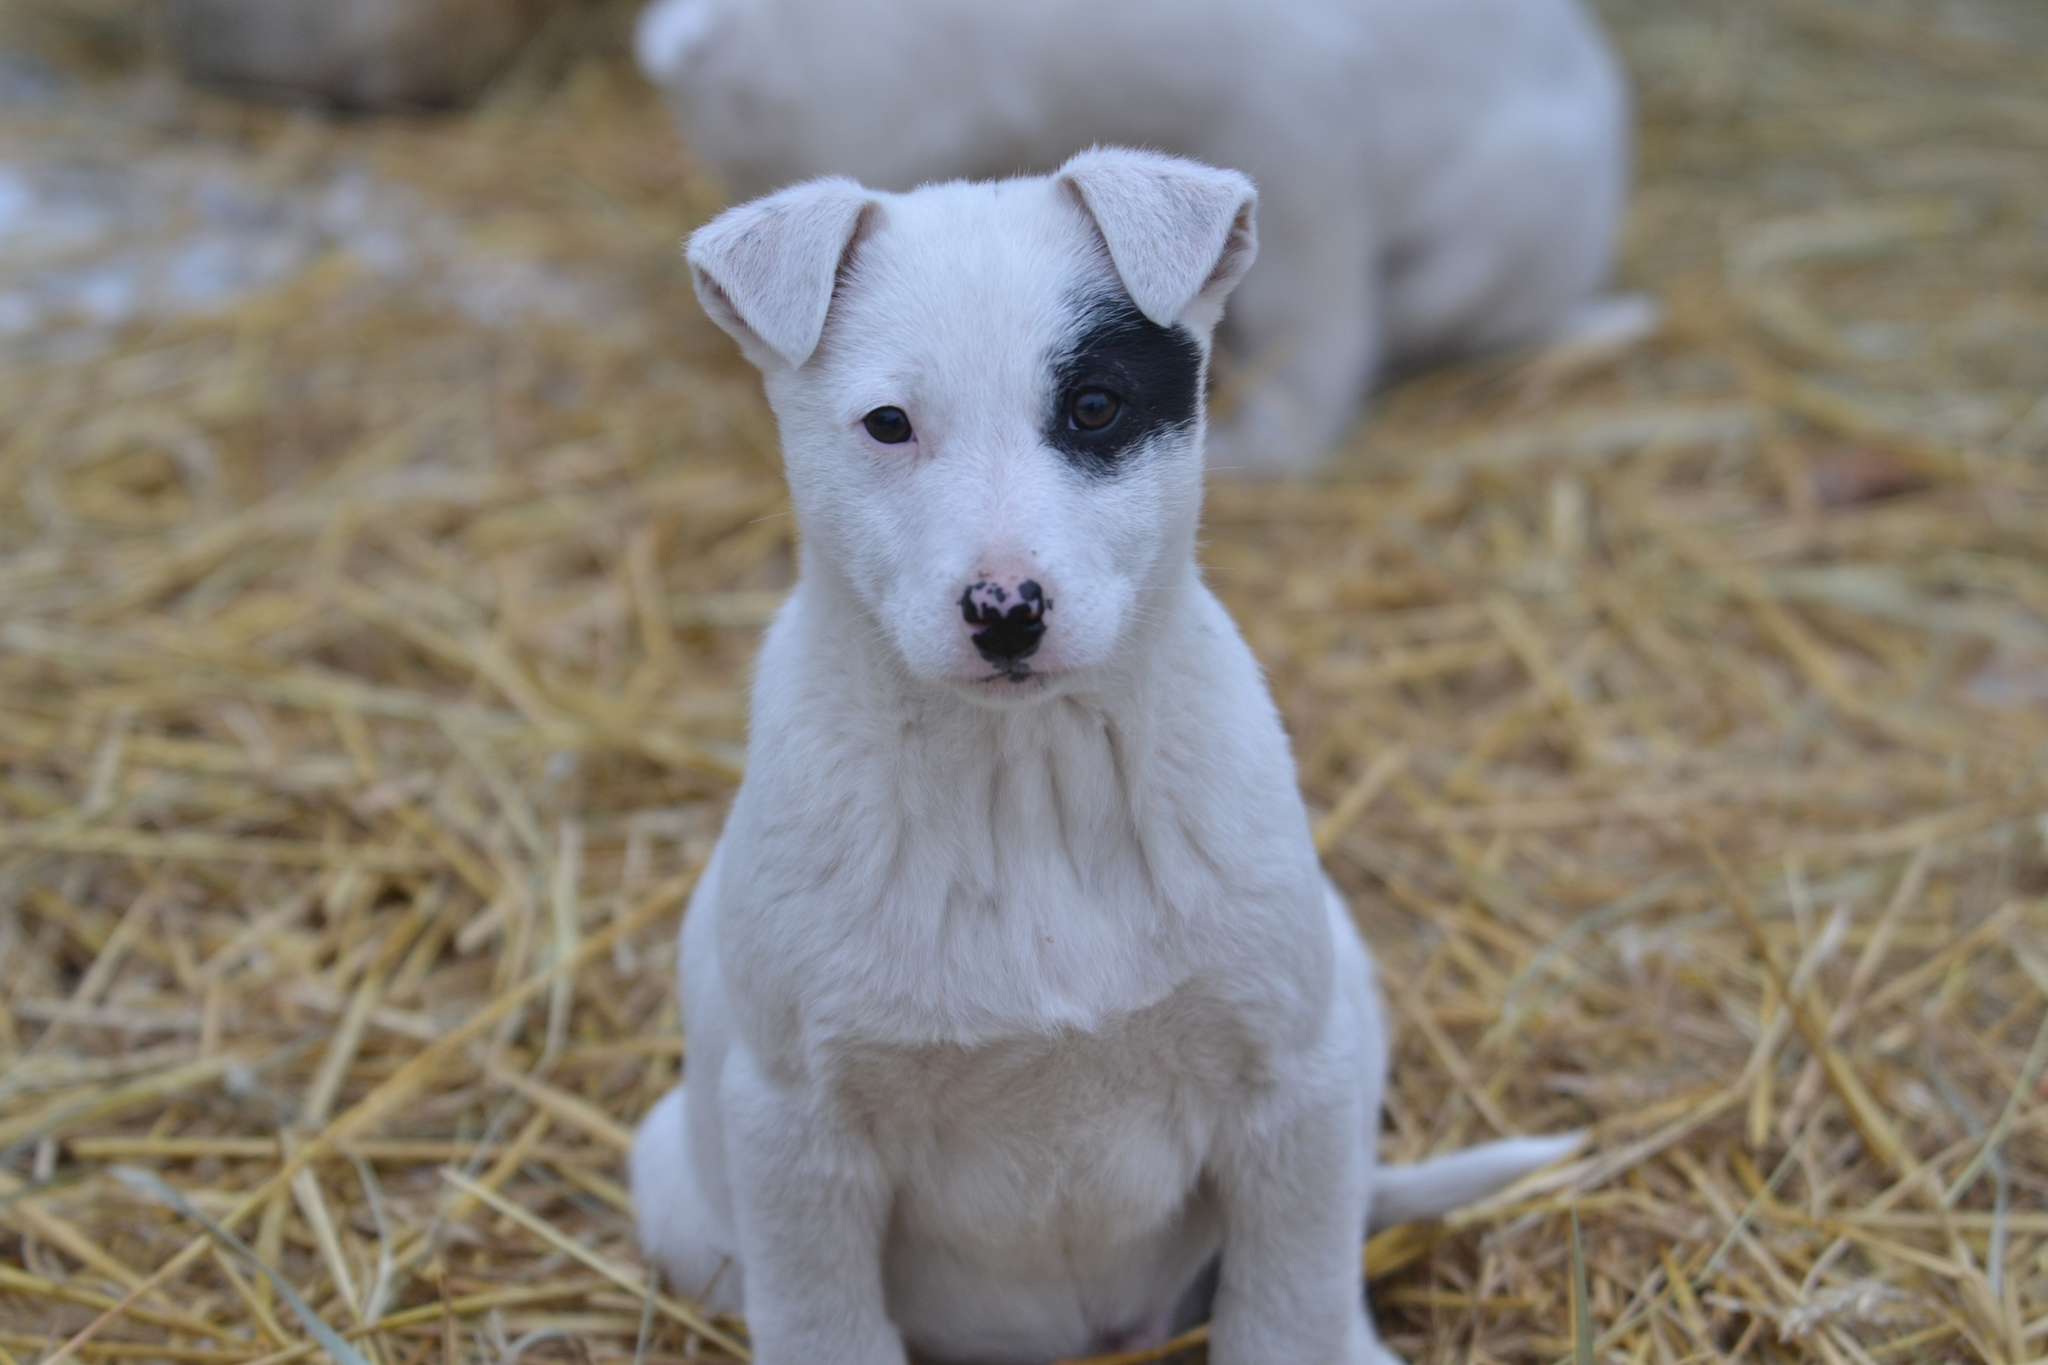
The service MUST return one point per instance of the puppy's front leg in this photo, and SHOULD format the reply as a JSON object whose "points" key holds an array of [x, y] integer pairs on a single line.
{"points": [[1291, 1181], [811, 1203]]}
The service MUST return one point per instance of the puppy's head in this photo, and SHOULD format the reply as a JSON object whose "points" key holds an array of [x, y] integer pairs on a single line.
{"points": [[990, 398]]}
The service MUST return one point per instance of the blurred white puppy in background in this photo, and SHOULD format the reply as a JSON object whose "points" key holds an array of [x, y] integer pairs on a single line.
{"points": [[1015, 997], [1438, 176]]}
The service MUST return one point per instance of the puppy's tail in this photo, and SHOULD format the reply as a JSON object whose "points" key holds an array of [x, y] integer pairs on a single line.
{"points": [[1431, 1189]]}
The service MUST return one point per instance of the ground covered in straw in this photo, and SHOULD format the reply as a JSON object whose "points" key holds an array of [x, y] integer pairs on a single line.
{"points": [[383, 541]]}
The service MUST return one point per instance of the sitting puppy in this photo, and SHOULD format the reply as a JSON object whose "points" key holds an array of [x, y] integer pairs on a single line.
{"points": [[1439, 176], [1015, 996]]}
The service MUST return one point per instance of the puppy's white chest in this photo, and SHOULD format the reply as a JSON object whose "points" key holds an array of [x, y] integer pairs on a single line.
{"points": [[1007, 893], [1067, 1148]]}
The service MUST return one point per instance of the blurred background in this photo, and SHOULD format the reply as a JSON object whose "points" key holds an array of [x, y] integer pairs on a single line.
{"points": [[384, 538]]}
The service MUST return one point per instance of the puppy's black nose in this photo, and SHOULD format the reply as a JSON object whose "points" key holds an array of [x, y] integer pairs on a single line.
{"points": [[1008, 619]]}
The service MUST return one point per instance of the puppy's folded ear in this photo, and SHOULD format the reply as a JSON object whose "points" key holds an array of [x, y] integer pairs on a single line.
{"points": [[1181, 234], [765, 271]]}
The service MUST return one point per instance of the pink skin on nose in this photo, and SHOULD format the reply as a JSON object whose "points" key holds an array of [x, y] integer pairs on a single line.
{"points": [[1007, 618], [990, 598]]}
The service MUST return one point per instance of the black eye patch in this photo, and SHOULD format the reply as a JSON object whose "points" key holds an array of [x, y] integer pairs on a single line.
{"points": [[1152, 376]]}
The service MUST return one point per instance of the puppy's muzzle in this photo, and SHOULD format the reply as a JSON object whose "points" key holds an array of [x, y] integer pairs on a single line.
{"points": [[1008, 619]]}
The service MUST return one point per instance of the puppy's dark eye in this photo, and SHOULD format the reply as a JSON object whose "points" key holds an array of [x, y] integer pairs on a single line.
{"points": [[890, 426], [1093, 409]]}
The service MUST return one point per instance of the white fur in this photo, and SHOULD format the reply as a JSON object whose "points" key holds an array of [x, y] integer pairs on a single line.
{"points": [[1011, 1004], [1438, 176]]}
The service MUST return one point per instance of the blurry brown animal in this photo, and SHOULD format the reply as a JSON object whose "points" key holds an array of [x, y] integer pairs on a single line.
{"points": [[354, 54]]}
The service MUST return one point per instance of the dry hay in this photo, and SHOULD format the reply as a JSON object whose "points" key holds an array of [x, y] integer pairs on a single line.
{"points": [[370, 688]]}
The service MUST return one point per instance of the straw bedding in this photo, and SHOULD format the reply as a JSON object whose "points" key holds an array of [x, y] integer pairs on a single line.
{"points": [[372, 653]]}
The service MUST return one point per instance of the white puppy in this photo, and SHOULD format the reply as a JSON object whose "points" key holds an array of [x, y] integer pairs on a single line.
{"points": [[1438, 176], [1014, 993]]}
